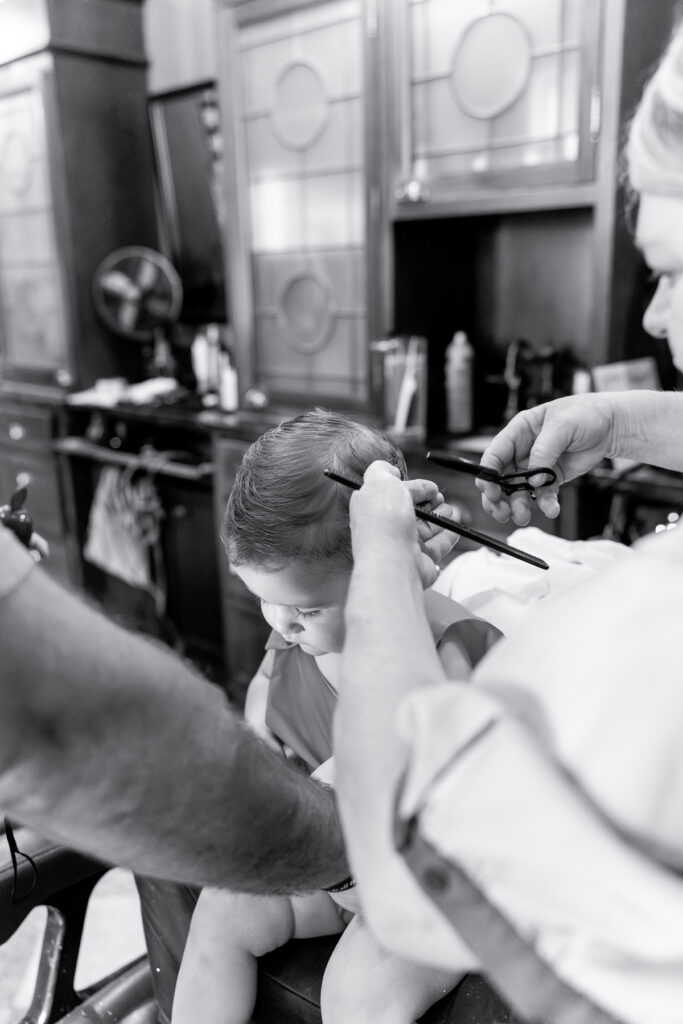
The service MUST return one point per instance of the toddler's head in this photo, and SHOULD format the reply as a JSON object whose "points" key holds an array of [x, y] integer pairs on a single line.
{"points": [[286, 526]]}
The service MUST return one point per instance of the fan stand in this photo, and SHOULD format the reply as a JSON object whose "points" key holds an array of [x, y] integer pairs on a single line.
{"points": [[160, 358]]}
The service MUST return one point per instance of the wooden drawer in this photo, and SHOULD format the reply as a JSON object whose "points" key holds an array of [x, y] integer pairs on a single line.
{"points": [[24, 427]]}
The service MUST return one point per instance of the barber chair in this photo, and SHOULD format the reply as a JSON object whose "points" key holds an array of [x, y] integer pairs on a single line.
{"points": [[63, 880]]}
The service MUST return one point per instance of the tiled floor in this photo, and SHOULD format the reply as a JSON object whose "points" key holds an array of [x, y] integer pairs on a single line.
{"points": [[113, 937]]}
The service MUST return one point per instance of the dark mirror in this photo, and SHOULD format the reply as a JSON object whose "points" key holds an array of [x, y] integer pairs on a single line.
{"points": [[187, 139]]}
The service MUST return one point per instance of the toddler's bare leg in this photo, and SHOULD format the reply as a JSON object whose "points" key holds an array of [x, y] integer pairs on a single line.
{"points": [[229, 931], [217, 978], [364, 984]]}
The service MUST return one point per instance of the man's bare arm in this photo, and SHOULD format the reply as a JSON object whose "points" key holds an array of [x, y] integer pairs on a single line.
{"points": [[113, 745]]}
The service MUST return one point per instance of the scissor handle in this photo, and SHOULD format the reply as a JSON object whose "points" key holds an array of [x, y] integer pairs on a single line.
{"points": [[510, 483]]}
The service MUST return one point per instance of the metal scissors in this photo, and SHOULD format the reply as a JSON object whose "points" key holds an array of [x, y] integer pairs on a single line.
{"points": [[509, 483]]}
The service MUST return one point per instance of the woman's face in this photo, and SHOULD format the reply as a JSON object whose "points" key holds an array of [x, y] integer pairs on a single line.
{"points": [[659, 236]]}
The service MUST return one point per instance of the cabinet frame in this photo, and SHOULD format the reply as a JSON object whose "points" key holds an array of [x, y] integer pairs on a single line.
{"points": [[230, 17]]}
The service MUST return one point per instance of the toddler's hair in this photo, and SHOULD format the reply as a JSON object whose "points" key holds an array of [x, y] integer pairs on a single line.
{"points": [[283, 508]]}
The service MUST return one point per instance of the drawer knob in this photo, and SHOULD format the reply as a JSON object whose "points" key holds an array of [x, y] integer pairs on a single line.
{"points": [[23, 479], [16, 431]]}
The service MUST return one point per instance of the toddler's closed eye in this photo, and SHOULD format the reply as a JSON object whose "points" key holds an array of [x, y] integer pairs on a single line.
{"points": [[305, 616]]}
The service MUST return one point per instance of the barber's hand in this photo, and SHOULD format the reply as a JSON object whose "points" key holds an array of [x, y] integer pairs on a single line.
{"points": [[569, 435], [435, 541], [383, 518]]}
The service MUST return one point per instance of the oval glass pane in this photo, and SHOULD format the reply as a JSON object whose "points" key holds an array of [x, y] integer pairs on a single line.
{"points": [[491, 65], [300, 110], [306, 313]]}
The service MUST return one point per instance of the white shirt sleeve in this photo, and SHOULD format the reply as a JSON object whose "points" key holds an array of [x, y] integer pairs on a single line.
{"points": [[554, 779]]}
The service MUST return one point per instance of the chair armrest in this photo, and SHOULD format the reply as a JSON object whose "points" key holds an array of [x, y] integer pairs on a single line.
{"points": [[59, 872], [62, 880]]}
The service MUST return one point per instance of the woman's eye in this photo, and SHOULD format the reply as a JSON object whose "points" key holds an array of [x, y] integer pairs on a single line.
{"points": [[305, 616]]}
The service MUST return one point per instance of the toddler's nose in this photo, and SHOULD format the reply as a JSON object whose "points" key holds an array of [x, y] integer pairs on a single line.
{"points": [[285, 621]]}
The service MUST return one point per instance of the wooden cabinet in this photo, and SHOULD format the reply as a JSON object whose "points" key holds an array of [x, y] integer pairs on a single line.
{"points": [[75, 183], [536, 251], [245, 631], [422, 166]]}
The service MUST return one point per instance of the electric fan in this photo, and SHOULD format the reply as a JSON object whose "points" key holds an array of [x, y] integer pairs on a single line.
{"points": [[137, 293]]}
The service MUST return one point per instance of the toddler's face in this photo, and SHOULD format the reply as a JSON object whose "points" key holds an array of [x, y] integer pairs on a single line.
{"points": [[303, 605]]}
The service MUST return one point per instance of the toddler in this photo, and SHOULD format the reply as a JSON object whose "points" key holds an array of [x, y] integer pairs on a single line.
{"points": [[286, 531]]}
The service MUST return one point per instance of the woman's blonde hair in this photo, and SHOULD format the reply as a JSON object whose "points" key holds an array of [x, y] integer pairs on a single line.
{"points": [[654, 149]]}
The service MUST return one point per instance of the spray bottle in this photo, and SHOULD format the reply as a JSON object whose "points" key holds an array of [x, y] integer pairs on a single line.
{"points": [[458, 381]]}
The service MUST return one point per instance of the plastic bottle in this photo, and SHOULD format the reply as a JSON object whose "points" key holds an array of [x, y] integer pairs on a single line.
{"points": [[199, 354], [228, 391], [458, 381]]}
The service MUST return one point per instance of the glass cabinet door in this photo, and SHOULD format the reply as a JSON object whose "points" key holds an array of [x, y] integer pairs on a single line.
{"points": [[299, 182], [494, 94], [33, 323]]}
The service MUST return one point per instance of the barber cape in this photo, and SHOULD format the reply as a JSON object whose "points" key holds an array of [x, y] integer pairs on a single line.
{"points": [[543, 801]]}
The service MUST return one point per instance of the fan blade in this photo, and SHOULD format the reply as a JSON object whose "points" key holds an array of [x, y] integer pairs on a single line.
{"points": [[116, 283], [146, 275], [128, 314]]}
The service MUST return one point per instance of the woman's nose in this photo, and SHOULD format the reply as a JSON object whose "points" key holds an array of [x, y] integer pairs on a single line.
{"points": [[656, 316]]}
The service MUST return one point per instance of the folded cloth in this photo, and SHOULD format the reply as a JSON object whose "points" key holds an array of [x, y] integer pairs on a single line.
{"points": [[501, 589]]}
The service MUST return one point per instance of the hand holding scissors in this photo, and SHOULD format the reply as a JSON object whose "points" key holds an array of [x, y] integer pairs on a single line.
{"points": [[509, 483], [571, 435], [508, 494]]}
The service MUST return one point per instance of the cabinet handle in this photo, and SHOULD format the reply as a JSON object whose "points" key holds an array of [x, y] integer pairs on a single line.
{"points": [[16, 432], [23, 479]]}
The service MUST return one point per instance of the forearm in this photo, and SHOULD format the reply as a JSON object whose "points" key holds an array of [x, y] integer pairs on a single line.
{"points": [[388, 652], [111, 744], [648, 427]]}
